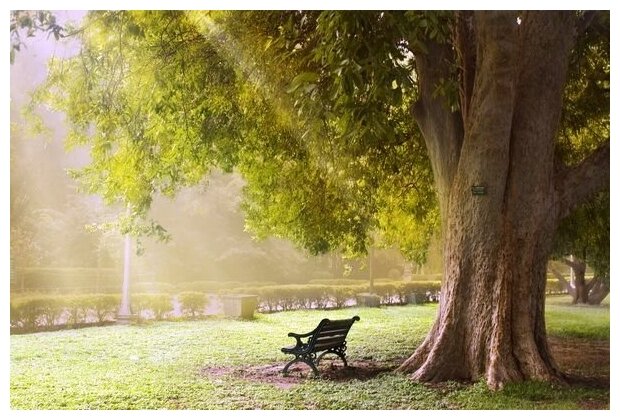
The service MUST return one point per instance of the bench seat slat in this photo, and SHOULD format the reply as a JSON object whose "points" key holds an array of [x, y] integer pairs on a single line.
{"points": [[331, 337], [327, 330], [341, 324], [332, 334], [330, 343], [327, 345]]}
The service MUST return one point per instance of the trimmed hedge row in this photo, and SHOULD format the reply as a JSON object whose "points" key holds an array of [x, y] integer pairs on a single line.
{"points": [[320, 296], [31, 313]]}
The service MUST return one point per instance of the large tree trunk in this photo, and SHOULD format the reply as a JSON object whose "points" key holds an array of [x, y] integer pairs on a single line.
{"points": [[491, 320]]}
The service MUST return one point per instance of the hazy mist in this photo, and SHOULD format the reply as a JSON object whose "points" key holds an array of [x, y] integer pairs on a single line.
{"points": [[209, 242]]}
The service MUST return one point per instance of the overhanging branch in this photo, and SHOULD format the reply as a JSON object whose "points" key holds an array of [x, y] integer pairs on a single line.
{"points": [[563, 282], [575, 265]]}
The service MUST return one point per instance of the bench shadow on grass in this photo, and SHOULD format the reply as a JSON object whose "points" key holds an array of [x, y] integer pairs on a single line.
{"points": [[331, 370]]}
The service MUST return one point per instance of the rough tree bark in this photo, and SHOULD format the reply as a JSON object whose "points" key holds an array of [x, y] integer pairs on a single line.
{"points": [[491, 318]]}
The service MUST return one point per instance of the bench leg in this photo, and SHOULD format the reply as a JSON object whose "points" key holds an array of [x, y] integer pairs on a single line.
{"points": [[305, 360], [337, 353]]}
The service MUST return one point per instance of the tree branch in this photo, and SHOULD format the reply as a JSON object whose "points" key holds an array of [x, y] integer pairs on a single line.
{"points": [[442, 129], [465, 48], [575, 265], [566, 284], [577, 184]]}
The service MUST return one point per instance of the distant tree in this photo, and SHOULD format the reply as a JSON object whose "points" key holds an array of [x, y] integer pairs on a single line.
{"points": [[319, 111], [585, 120], [585, 236]]}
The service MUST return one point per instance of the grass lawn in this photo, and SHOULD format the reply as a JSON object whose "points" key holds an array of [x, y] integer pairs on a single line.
{"points": [[227, 364]]}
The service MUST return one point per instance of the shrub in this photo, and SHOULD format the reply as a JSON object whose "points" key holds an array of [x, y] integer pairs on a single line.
{"points": [[422, 287], [340, 294], [15, 316], [276, 297], [386, 292], [318, 295], [104, 306], [140, 304], [401, 292], [268, 297], [26, 312], [157, 304], [161, 305], [18, 315], [405, 289], [77, 308], [52, 308], [288, 297], [308, 296], [193, 303]]}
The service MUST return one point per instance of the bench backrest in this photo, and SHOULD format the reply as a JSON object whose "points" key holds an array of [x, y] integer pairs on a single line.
{"points": [[331, 333]]}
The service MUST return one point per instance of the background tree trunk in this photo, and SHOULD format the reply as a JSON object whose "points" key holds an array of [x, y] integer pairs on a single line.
{"points": [[582, 290], [591, 293], [599, 289]]}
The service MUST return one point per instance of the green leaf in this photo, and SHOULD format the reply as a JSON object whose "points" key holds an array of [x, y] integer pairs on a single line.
{"points": [[301, 79]]}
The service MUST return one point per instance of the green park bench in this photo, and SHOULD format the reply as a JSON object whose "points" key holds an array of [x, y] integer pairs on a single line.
{"points": [[328, 337]]}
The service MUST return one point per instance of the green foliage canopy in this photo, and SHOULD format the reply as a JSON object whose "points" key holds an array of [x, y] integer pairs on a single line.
{"points": [[162, 97], [311, 107]]}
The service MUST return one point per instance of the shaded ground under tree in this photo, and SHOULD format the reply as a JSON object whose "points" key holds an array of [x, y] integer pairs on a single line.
{"points": [[586, 369]]}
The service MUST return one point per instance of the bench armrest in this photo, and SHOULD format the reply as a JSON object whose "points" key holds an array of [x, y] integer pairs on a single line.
{"points": [[291, 334], [308, 334], [298, 337]]}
